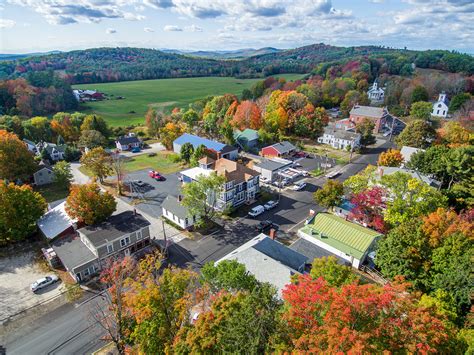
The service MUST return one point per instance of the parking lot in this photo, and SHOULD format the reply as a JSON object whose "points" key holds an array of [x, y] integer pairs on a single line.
{"points": [[16, 275], [152, 193]]}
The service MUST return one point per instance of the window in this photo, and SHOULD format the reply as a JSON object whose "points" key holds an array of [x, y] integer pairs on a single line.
{"points": [[86, 272], [110, 248], [124, 241], [139, 235], [186, 221]]}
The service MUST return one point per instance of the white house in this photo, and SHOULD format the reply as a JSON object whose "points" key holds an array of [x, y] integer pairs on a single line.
{"points": [[128, 142], [339, 139], [175, 212], [56, 152], [376, 93], [30, 145], [440, 107], [43, 176]]}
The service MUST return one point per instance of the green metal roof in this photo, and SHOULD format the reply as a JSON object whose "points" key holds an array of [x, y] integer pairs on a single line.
{"points": [[348, 237], [247, 134]]}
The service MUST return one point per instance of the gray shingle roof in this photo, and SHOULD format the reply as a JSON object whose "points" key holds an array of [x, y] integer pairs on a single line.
{"points": [[312, 251], [116, 226], [271, 165], [281, 253], [284, 147], [369, 111], [72, 252], [128, 140], [339, 133], [172, 205]]}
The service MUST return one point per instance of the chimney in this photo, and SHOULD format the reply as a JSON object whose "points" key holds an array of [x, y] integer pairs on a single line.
{"points": [[180, 198], [273, 234]]}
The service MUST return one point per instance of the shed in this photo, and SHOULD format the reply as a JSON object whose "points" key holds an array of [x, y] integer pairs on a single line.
{"points": [[248, 138], [56, 222], [281, 149], [175, 212]]}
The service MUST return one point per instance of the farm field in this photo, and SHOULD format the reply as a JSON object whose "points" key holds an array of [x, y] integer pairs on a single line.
{"points": [[161, 93]]}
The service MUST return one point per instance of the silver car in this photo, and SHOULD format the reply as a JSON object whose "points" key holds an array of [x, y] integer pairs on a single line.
{"points": [[44, 282]]}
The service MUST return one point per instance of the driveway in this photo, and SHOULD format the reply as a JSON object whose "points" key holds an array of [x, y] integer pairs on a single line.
{"points": [[149, 197], [154, 148], [77, 176], [16, 275]]}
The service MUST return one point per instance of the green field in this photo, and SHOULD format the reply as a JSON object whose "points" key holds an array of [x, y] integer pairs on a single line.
{"points": [[161, 93]]}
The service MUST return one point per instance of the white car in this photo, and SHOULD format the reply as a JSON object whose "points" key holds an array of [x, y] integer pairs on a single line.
{"points": [[304, 173], [256, 211], [42, 283], [298, 186], [270, 204]]}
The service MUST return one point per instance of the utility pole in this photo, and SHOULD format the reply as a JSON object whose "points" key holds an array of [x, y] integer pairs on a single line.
{"points": [[326, 164], [164, 237]]}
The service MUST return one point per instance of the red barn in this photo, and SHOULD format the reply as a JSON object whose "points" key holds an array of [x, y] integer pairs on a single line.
{"points": [[281, 149]]}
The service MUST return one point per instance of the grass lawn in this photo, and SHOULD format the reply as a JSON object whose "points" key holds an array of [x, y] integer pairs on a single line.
{"points": [[52, 192], [161, 93], [161, 162], [341, 156]]}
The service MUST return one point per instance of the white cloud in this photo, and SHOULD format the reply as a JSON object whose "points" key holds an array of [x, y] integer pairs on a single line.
{"points": [[5, 23], [193, 28], [110, 31], [148, 29], [171, 28]]}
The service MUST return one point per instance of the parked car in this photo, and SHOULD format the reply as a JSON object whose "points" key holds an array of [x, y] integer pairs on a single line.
{"points": [[264, 180], [298, 186], [333, 174], [304, 173], [43, 282], [136, 150], [270, 204], [156, 175], [256, 211], [265, 225], [301, 154]]}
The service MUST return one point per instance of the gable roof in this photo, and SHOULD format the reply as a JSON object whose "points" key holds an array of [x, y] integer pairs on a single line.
{"points": [[233, 171], [50, 146], [407, 152], [283, 147], [341, 134], [388, 170], [72, 252], [196, 141], [55, 221], [128, 140], [313, 251], [268, 260], [172, 205], [350, 238], [272, 165], [246, 135], [368, 111], [115, 226]]}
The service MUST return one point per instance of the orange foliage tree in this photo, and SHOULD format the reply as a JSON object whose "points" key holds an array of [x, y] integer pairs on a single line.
{"points": [[88, 204], [391, 157], [247, 115], [170, 132], [361, 319], [443, 222], [16, 162]]}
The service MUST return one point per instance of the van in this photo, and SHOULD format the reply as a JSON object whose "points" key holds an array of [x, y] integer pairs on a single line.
{"points": [[256, 211]]}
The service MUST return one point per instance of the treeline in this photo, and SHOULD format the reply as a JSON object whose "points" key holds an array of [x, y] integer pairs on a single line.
{"points": [[122, 64], [38, 93]]}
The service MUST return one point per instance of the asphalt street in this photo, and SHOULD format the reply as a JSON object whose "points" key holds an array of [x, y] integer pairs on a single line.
{"points": [[69, 329]]}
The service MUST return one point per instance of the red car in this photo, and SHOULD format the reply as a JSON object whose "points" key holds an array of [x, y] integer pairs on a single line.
{"points": [[156, 175], [301, 154]]}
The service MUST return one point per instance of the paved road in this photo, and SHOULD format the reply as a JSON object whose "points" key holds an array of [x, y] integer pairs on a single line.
{"points": [[69, 329]]}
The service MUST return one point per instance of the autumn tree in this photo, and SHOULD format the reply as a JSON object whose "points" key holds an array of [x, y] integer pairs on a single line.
{"points": [[361, 319], [200, 196], [67, 126], [419, 93], [369, 208], [62, 174], [199, 153], [334, 273], [115, 319], [421, 110], [352, 98], [154, 121], [455, 135], [247, 115], [190, 117], [95, 123], [360, 182], [38, 129], [366, 130], [21, 209], [92, 139], [458, 101], [391, 157], [98, 162], [16, 162], [88, 204], [330, 195], [408, 198], [417, 134], [227, 275], [240, 322], [170, 132]]}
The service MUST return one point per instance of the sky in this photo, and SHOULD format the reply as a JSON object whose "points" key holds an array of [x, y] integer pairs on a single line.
{"points": [[28, 26]]}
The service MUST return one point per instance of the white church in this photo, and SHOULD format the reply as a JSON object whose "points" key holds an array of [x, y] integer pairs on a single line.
{"points": [[375, 93], [440, 107]]}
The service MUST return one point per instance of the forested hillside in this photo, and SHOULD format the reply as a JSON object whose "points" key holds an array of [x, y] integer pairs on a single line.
{"points": [[122, 64]]}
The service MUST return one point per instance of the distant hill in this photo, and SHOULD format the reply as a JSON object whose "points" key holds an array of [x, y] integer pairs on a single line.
{"points": [[231, 54], [25, 55], [98, 65]]}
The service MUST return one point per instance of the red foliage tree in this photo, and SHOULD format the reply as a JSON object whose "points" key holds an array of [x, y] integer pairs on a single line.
{"points": [[361, 319], [368, 208], [247, 115]]}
